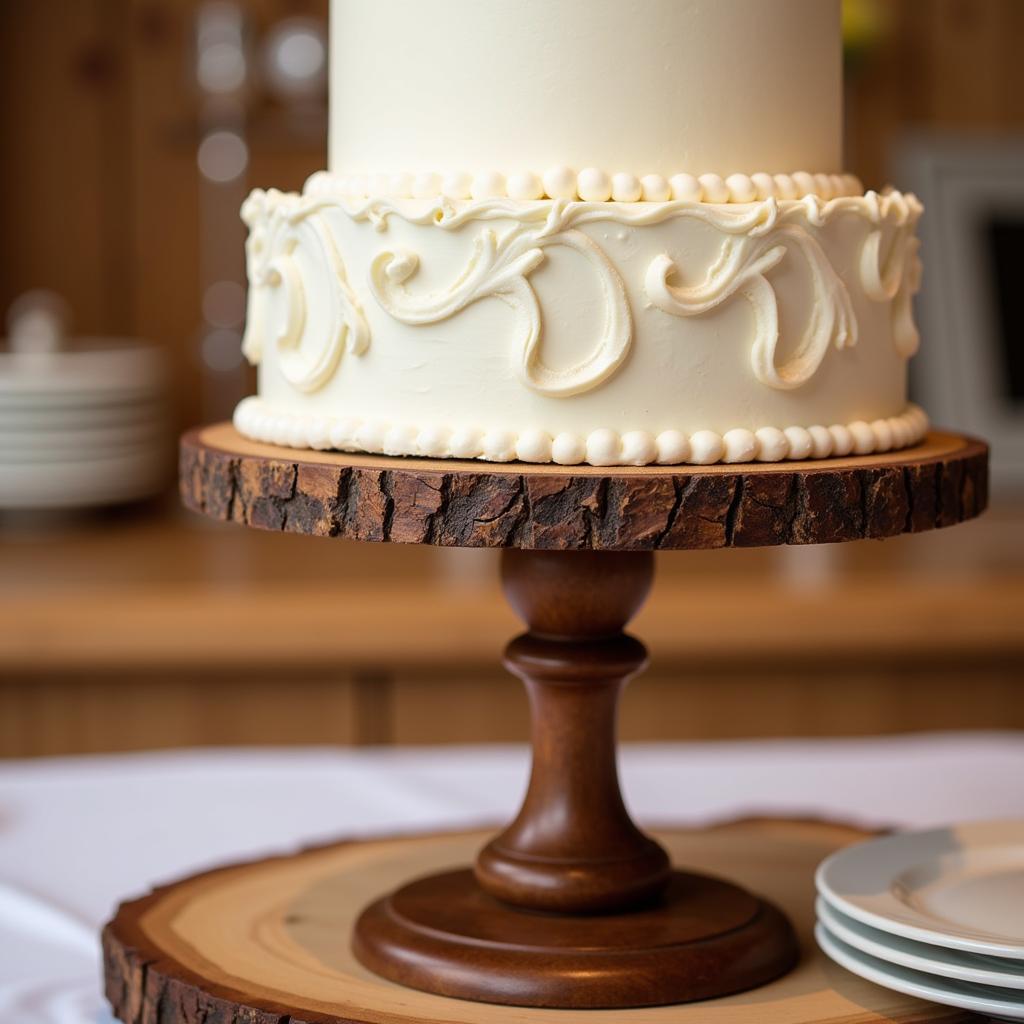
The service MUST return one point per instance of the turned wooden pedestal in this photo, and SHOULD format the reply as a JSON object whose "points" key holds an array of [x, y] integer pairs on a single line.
{"points": [[571, 906]]}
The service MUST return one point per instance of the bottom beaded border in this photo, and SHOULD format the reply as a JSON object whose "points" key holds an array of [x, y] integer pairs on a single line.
{"points": [[258, 421]]}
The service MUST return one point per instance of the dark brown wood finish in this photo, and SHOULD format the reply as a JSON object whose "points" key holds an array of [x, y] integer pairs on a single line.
{"points": [[703, 939], [940, 482], [572, 888], [573, 847], [572, 906]]}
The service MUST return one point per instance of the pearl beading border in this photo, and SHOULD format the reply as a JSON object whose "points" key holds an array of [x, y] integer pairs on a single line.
{"points": [[595, 185], [256, 420]]}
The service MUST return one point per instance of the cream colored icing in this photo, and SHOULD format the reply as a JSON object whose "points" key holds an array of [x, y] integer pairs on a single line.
{"points": [[499, 267], [595, 185], [438, 297], [548, 238], [260, 421], [659, 87], [754, 241], [278, 223]]}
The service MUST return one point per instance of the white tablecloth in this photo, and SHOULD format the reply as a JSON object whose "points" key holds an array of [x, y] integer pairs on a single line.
{"points": [[77, 835]]}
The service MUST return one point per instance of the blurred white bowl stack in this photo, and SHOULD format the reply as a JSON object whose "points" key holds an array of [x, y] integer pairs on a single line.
{"points": [[937, 914], [83, 421]]}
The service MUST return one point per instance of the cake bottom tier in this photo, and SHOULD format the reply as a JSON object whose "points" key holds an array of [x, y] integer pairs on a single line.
{"points": [[615, 334]]}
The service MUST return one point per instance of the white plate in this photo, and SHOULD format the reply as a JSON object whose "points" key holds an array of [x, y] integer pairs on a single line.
{"points": [[38, 421], [947, 963], [18, 445], [53, 460], [980, 998], [75, 397], [84, 482], [101, 365], [960, 887]]}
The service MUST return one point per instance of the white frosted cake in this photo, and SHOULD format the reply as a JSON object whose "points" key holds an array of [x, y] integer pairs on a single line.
{"points": [[582, 231]]}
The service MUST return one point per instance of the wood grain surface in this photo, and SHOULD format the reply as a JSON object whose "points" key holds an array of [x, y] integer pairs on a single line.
{"points": [[940, 482], [267, 941], [572, 906]]}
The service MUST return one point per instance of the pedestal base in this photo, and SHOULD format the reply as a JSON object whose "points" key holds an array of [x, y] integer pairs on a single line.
{"points": [[704, 938], [271, 939]]}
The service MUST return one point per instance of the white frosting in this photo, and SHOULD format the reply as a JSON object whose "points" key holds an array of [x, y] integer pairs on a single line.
{"points": [[740, 270], [595, 185], [260, 421], [568, 331], [723, 87], [569, 232], [655, 189], [739, 445], [525, 186], [274, 237], [560, 183], [626, 188], [713, 188]]}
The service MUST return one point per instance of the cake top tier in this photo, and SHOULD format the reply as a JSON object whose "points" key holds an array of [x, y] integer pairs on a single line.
{"points": [[642, 86]]}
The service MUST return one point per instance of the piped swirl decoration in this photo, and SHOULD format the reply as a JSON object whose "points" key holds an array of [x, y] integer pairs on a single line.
{"points": [[279, 298], [499, 266], [601, 447], [757, 237], [740, 269], [894, 276]]}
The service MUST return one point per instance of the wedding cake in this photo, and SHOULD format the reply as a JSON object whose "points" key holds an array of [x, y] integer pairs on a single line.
{"points": [[584, 231]]}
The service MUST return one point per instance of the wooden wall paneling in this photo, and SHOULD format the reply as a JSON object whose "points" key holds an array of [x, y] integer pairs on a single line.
{"points": [[962, 40], [171, 203], [1008, 59], [373, 708], [460, 706], [947, 65], [700, 700], [116, 189], [874, 98], [165, 194], [704, 701], [60, 75], [799, 697], [81, 714]]}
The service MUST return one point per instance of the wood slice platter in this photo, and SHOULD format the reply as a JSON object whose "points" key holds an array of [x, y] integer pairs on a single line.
{"points": [[940, 482], [269, 941]]}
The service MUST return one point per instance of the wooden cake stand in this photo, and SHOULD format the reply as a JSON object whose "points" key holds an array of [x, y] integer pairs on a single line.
{"points": [[572, 906]]}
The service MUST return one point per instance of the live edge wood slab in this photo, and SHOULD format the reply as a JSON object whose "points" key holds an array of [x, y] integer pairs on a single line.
{"points": [[264, 942], [571, 906], [940, 482]]}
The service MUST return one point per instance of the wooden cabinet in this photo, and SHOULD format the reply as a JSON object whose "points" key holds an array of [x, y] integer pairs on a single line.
{"points": [[148, 630]]}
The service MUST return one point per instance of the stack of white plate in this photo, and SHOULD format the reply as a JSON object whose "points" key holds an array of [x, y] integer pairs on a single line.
{"points": [[83, 424], [939, 915]]}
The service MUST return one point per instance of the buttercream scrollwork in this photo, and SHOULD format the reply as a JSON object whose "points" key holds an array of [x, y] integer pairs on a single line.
{"points": [[279, 299], [755, 238], [740, 270], [500, 266], [892, 273]]}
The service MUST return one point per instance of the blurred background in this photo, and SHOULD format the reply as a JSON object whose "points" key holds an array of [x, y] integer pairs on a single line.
{"points": [[132, 130]]}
